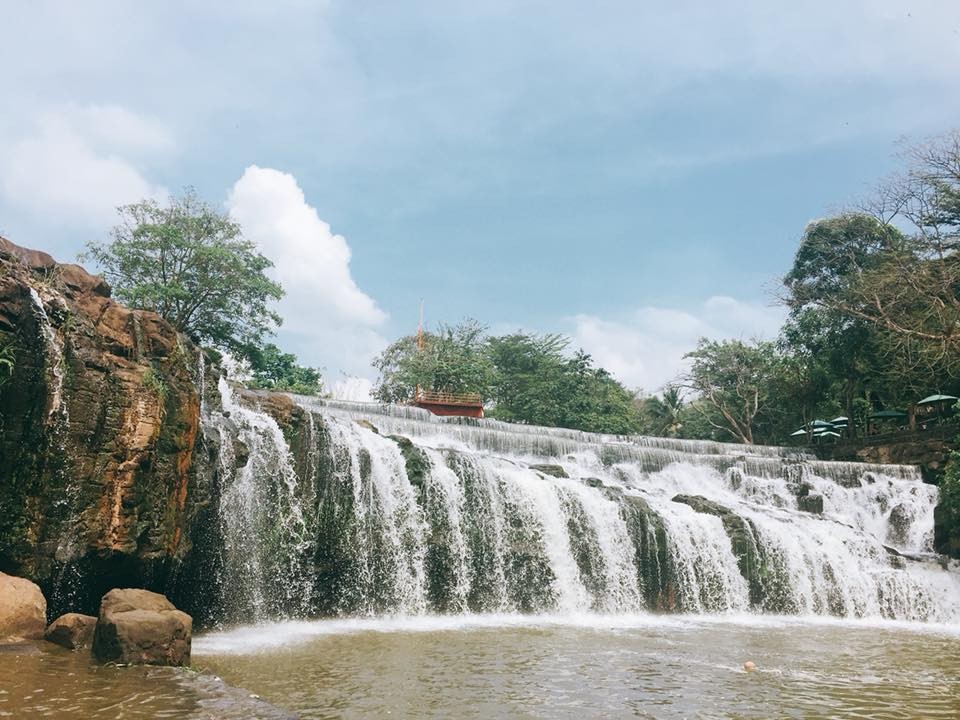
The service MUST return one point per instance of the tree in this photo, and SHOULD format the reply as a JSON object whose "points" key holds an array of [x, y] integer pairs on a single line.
{"points": [[276, 370], [525, 378], [665, 414], [537, 383], [454, 359], [192, 266], [905, 283], [733, 379]]}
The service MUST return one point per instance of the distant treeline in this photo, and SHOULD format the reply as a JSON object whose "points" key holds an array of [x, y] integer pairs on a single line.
{"points": [[874, 324]]}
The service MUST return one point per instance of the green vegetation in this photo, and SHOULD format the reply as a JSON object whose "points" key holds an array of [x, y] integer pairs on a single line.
{"points": [[273, 369], [7, 360], [735, 381], [948, 508], [153, 381], [523, 377], [536, 382], [454, 359], [193, 266], [874, 324]]}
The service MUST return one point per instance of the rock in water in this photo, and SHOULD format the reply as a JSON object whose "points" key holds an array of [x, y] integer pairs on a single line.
{"points": [[23, 609], [142, 628], [811, 503], [72, 631]]}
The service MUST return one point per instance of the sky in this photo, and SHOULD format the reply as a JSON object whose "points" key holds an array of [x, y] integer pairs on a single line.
{"points": [[635, 175]]}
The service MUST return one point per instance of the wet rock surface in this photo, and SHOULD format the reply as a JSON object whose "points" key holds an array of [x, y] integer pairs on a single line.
{"points": [[98, 434], [72, 631], [23, 609], [140, 627], [811, 503]]}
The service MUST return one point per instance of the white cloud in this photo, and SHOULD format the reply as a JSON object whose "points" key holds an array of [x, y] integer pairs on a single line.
{"points": [[76, 164], [328, 320], [645, 349]]}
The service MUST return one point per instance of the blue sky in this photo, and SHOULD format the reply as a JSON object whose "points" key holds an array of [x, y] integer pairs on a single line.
{"points": [[632, 174]]}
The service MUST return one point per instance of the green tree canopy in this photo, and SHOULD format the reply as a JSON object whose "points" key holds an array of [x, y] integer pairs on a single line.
{"points": [[453, 359], [734, 379], [273, 369], [523, 377], [664, 416], [537, 383], [904, 282], [191, 265]]}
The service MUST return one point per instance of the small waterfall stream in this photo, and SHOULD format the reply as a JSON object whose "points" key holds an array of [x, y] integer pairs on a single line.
{"points": [[401, 513]]}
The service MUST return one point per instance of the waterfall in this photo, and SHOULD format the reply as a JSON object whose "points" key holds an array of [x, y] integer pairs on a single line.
{"points": [[68, 579], [266, 537], [53, 360], [390, 510]]}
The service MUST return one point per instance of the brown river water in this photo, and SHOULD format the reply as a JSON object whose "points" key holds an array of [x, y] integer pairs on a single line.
{"points": [[517, 667]]}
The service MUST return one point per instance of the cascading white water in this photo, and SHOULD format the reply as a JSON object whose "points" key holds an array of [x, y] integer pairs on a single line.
{"points": [[68, 581], [414, 514], [53, 360], [386, 528], [267, 539]]}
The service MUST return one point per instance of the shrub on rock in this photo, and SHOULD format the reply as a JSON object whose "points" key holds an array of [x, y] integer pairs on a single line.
{"points": [[140, 627]]}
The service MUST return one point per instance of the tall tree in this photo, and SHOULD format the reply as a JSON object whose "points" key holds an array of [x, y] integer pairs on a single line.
{"points": [[734, 380], [903, 282], [192, 265], [273, 369]]}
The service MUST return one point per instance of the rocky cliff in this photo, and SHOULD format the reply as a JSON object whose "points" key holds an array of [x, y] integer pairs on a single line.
{"points": [[99, 420]]}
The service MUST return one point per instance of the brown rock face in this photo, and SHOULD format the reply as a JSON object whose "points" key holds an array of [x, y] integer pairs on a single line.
{"points": [[23, 609], [72, 631], [141, 627], [99, 420]]}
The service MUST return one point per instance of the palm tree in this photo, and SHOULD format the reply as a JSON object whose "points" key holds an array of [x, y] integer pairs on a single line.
{"points": [[665, 412]]}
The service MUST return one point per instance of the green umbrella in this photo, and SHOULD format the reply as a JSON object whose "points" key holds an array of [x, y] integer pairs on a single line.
{"points": [[939, 401], [821, 424], [801, 431], [933, 399], [828, 433], [840, 420], [887, 414]]}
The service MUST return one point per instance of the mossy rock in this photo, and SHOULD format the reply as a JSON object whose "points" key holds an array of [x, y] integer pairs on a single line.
{"points": [[417, 462], [552, 470], [742, 534]]}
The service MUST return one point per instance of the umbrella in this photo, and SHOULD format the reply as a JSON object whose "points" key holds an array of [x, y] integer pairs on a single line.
{"points": [[932, 399], [821, 424], [827, 433], [887, 414], [937, 400], [840, 420], [801, 431]]}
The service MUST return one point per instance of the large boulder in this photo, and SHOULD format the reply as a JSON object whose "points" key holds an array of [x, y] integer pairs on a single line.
{"points": [[72, 631], [143, 628], [23, 609]]}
